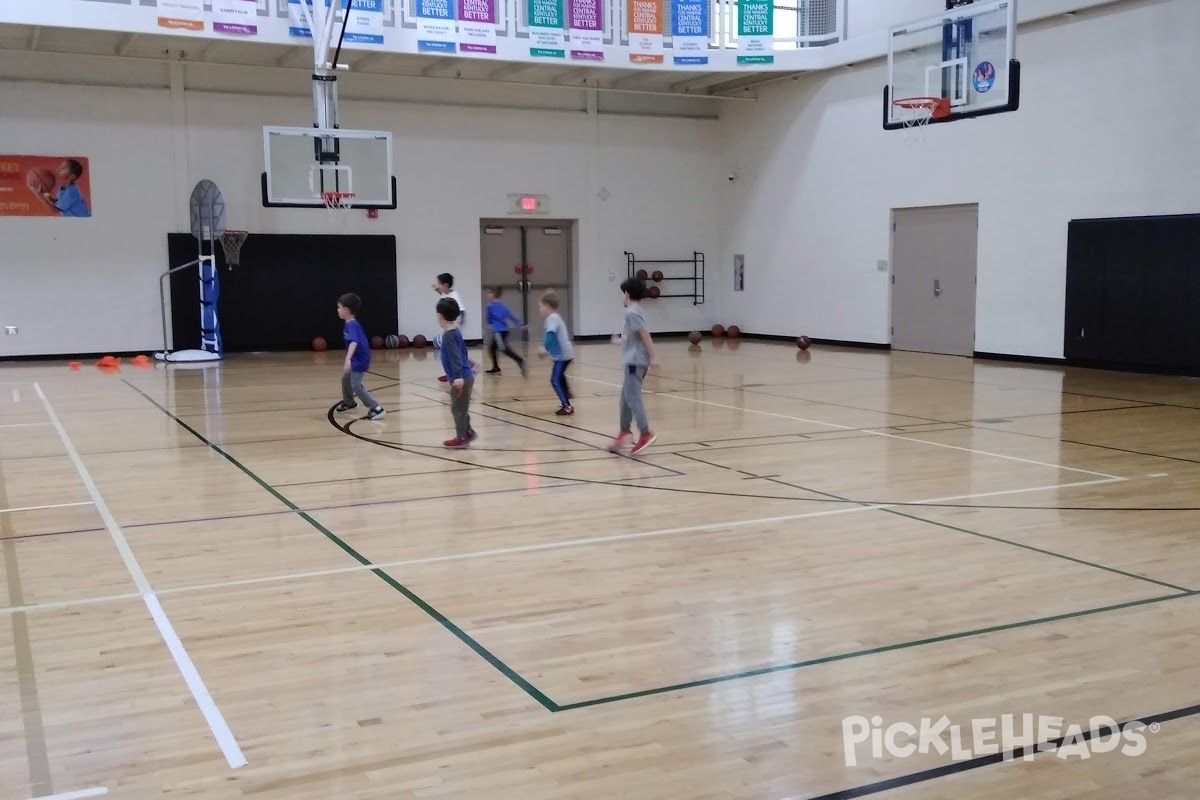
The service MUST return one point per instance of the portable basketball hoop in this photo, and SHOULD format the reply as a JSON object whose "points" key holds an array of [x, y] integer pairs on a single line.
{"points": [[916, 112], [231, 243], [337, 201]]}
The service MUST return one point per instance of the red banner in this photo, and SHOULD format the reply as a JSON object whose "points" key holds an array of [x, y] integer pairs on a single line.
{"points": [[45, 186]]}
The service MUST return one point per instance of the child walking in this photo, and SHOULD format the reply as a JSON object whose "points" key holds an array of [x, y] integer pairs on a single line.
{"points": [[557, 344], [444, 286], [458, 372], [498, 317], [637, 357], [358, 359]]}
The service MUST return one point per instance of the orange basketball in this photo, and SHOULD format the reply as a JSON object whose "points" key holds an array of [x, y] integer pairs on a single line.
{"points": [[804, 343], [420, 341], [718, 330], [734, 332], [41, 180], [376, 342], [319, 344], [654, 292]]}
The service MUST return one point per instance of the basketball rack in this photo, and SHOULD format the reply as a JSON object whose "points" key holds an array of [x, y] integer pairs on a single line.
{"points": [[696, 262]]}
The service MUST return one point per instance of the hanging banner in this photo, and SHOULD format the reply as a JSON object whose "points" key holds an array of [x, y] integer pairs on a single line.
{"points": [[237, 17], [756, 32], [435, 26], [689, 31], [45, 186], [297, 24], [587, 30], [181, 15], [546, 29], [645, 21], [477, 26], [366, 22]]}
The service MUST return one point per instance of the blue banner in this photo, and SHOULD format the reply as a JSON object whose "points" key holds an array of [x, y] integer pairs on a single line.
{"points": [[689, 31], [436, 29]]}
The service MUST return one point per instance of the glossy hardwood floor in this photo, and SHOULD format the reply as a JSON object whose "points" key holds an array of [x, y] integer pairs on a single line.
{"points": [[213, 588]]}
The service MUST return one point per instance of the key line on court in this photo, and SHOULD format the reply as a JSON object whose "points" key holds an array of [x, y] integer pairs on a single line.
{"points": [[541, 546], [872, 651], [24, 424], [869, 432], [208, 708], [46, 507], [366, 564], [997, 539], [76, 795]]}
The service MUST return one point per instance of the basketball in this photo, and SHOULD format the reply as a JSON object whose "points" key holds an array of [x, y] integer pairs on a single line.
{"points": [[694, 337], [804, 343], [376, 342], [319, 344], [734, 332], [392, 341], [654, 292], [420, 341], [402, 341], [642, 275], [41, 180], [657, 276], [718, 331]]}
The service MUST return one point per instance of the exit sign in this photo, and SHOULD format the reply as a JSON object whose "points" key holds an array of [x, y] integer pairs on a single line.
{"points": [[528, 204]]}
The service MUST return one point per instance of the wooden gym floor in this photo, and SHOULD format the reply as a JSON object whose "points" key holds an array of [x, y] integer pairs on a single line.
{"points": [[213, 590]]}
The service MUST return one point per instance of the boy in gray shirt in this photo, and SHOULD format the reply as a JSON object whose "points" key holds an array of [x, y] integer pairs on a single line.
{"points": [[557, 345], [637, 357]]}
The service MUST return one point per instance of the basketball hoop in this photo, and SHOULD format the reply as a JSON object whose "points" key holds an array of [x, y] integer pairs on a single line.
{"points": [[231, 242], [337, 201], [916, 112]]}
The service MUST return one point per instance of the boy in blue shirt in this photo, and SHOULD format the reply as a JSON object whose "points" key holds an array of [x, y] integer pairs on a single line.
{"points": [[557, 345], [358, 359], [498, 317], [67, 200], [458, 371]]}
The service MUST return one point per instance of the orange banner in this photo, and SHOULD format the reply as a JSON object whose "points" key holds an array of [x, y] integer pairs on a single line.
{"points": [[45, 186], [644, 21]]}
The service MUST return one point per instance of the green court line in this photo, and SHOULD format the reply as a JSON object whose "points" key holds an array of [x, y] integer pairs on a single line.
{"points": [[416, 600], [912, 515], [868, 652]]}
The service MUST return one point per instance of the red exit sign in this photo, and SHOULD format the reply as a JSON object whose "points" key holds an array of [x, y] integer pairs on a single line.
{"points": [[528, 204]]}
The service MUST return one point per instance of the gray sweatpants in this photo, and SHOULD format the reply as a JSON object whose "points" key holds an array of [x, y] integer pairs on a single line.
{"points": [[632, 407], [460, 408], [352, 385]]}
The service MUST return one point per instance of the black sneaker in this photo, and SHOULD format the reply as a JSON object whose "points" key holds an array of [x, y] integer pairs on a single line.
{"points": [[524, 370], [493, 371], [375, 413], [344, 406], [565, 411]]}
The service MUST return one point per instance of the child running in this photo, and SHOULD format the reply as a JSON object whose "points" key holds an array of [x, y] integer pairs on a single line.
{"points": [[358, 359], [637, 357], [557, 345], [498, 317]]}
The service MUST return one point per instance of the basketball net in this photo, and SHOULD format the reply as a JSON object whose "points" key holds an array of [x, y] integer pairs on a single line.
{"points": [[231, 243], [337, 203], [916, 112]]}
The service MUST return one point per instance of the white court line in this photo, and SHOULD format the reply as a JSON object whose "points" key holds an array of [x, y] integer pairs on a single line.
{"points": [[79, 795], [216, 722], [531, 548], [859, 430], [23, 424], [43, 508]]}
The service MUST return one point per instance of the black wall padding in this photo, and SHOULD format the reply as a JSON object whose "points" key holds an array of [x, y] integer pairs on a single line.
{"points": [[285, 290], [1133, 290]]}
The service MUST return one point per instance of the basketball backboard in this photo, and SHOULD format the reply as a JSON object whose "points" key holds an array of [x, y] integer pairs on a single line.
{"points": [[958, 65], [304, 163]]}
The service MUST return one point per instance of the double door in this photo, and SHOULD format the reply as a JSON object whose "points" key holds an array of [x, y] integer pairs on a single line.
{"points": [[524, 260]]}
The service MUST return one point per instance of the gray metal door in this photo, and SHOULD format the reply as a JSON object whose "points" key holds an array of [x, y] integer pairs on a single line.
{"points": [[543, 250], [499, 258], [933, 279]]}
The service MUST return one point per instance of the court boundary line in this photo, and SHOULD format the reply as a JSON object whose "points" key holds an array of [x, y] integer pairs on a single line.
{"points": [[183, 662], [23, 424], [868, 432], [20, 509], [79, 794], [518, 680]]}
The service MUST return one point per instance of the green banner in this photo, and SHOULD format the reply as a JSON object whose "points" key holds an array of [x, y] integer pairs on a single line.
{"points": [[546, 29], [756, 31]]}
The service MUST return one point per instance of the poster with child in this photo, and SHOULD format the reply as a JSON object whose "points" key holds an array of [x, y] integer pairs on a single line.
{"points": [[45, 186]]}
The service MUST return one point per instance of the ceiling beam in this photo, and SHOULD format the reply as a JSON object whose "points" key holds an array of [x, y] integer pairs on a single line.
{"points": [[126, 43], [699, 82], [577, 75], [508, 69], [630, 80], [748, 81], [437, 66]]}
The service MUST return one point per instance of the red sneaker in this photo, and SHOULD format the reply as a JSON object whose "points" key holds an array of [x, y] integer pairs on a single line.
{"points": [[456, 443], [644, 441], [444, 379], [618, 444], [471, 436]]}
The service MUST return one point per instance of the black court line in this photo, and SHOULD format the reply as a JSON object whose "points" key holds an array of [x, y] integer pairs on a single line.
{"points": [[412, 597], [1007, 756]]}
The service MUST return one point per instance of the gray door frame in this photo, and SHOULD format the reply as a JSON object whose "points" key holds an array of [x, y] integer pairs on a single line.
{"points": [[971, 271], [529, 311]]}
